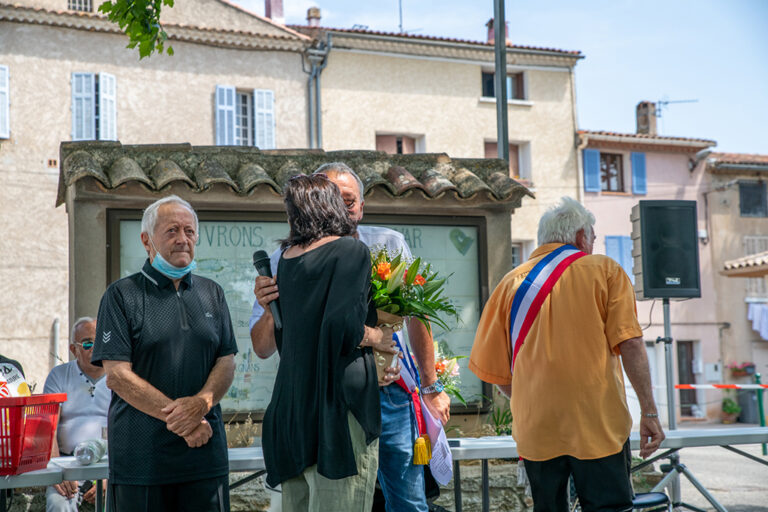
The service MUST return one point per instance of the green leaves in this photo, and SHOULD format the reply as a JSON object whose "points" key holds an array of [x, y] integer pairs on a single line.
{"points": [[140, 20]]}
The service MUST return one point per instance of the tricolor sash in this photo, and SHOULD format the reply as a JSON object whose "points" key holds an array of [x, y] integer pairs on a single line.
{"points": [[530, 296]]}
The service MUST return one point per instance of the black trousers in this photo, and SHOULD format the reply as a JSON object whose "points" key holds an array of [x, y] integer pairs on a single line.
{"points": [[601, 484], [209, 495]]}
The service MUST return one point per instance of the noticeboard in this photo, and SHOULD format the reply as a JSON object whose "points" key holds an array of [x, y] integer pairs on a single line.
{"points": [[224, 252]]}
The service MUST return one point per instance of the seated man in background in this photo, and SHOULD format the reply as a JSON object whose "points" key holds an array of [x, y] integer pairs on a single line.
{"points": [[82, 416]]}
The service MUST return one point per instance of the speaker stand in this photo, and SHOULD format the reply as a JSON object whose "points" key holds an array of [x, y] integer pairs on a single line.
{"points": [[672, 478]]}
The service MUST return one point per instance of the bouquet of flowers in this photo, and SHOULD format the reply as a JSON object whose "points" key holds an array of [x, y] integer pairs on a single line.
{"points": [[447, 370], [409, 289]]}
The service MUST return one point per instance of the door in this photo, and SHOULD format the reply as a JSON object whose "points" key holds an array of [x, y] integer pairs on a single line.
{"points": [[685, 376]]}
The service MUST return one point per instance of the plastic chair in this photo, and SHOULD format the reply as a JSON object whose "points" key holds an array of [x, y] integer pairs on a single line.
{"points": [[654, 501]]}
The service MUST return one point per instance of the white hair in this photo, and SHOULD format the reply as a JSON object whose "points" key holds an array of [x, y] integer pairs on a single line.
{"points": [[149, 219], [341, 168], [80, 321], [561, 222]]}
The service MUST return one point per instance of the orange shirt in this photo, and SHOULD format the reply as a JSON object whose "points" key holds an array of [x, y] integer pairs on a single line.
{"points": [[568, 387]]}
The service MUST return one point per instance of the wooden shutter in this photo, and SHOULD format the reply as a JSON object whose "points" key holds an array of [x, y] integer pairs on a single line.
{"points": [[83, 106], [591, 162], [5, 103], [638, 173], [225, 115], [107, 107], [264, 113]]}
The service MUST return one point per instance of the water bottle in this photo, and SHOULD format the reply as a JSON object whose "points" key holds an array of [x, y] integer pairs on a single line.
{"points": [[88, 452]]}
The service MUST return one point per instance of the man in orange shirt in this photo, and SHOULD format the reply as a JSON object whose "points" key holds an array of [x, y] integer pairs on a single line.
{"points": [[552, 337]]}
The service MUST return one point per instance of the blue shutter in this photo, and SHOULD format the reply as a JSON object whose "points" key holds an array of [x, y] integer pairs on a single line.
{"points": [[591, 162], [626, 257], [225, 115], [107, 107], [638, 174], [5, 104], [264, 114], [83, 106], [613, 248]]}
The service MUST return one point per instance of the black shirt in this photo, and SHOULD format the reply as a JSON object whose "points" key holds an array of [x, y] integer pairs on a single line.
{"points": [[172, 339], [322, 373]]}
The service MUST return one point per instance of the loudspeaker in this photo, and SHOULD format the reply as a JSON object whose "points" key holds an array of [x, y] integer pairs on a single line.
{"points": [[665, 249]]}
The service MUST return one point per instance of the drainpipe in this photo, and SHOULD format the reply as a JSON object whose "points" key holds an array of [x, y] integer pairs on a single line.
{"points": [[583, 141], [318, 59], [53, 345]]}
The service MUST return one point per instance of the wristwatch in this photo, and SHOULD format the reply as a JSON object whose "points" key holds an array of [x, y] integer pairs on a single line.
{"points": [[437, 387]]}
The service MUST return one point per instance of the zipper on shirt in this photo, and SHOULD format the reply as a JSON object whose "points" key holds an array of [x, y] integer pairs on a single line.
{"points": [[183, 312]]}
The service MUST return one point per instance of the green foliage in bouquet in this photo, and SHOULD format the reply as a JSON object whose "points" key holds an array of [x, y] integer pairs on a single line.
{"points": [[410, 289]]}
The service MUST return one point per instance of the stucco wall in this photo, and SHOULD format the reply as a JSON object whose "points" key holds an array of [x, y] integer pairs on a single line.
{"points": [[667, 177], [159, 100], [363, 94], [740, 342]]}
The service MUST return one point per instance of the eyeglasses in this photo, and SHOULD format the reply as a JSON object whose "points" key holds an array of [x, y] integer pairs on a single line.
{"points": [[86, 344], [350, 203]]}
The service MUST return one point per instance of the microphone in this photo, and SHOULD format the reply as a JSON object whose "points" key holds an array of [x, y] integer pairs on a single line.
{"points": [[262, 265]]}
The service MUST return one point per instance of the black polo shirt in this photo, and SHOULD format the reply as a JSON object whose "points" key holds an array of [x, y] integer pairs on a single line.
{"points": [[172, 339]]}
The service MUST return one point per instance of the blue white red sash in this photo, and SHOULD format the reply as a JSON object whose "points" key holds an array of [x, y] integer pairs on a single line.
{"points": [[530, 296]]}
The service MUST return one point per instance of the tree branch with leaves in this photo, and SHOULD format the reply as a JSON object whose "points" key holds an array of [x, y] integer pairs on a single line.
{"points": [[140, 20]]}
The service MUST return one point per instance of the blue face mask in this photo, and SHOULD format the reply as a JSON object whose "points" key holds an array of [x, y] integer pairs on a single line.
{"points": [[170, 271]]}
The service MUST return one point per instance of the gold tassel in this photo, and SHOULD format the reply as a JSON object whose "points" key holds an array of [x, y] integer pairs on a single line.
{"points": [[422, 450]]}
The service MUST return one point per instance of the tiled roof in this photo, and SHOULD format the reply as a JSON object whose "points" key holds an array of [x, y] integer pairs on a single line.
{"points": [[95, 22], [739, 158], [646, 136], [754, 265], [307, 29], [243, 169]]}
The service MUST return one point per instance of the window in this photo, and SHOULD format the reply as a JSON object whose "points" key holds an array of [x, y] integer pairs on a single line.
{"points": [[604, 172], [79, 5], [519, 158], [5, 93], [611, 173], [515, 85], [756, 286], [399, 144], [517, 254], [620, 249], [752, 199], [245, 118], [94, 106]]}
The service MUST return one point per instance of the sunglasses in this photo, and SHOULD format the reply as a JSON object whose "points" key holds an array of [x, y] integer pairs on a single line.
{"points": [[86, 344]]}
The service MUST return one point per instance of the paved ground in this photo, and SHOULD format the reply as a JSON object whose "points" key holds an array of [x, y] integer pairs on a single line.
{"points": [[738, 483]]}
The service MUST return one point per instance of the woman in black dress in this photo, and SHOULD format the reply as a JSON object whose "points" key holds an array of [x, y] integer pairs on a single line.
{"points": [[320, 431]]}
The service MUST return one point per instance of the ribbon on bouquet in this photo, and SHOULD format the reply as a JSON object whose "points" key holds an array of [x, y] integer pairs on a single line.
{"points": [[431, 447]]}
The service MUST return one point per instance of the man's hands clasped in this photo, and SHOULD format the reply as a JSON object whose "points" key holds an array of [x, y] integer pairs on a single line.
{"points": [[185, 417]]}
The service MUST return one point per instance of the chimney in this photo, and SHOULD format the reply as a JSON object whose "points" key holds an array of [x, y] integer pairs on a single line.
{"points": [[313, 17], [491, 33], [646, 117], [273, 9]]}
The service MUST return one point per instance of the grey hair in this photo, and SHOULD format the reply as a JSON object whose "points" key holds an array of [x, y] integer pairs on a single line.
{"points": [[561, 222], [341, 168], [80, 321], [149, 219]]}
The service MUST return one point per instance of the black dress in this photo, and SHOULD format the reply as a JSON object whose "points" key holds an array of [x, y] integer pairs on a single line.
{"points": [[323, 374]]}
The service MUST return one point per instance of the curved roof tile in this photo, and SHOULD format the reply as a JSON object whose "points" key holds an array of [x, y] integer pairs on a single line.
{"points": [[246, 169]]}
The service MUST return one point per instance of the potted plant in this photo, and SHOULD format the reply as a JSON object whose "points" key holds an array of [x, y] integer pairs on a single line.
{"points": [[742, 370], [731, 410]]}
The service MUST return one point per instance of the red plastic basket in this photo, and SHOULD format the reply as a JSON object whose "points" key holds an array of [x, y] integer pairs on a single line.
{"points": [[27, 427]]}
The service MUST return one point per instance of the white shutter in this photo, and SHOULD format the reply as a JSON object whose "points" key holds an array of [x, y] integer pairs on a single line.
{"points": [[5, 104], [225, 115], [83, 106], [264, 110], [107, 107]]}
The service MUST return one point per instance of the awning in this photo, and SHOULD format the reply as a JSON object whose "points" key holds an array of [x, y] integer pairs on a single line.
{"points": [[753, 265]]}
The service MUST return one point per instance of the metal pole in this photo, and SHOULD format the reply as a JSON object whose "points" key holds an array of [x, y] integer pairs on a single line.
{"points": [[760, 408], [670, 374], [500, 79]]}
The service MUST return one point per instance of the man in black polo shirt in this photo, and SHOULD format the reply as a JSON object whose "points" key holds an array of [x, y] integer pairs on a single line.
{"points": [[165, 339]]}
